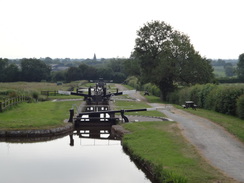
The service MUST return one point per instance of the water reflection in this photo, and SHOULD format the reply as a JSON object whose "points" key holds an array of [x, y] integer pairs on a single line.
{"points": [[88, 160], [94, 132]]}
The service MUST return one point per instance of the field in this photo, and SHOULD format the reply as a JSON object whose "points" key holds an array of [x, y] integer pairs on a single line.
{"points": [[33, 114], [219, 71], [34, 88]]}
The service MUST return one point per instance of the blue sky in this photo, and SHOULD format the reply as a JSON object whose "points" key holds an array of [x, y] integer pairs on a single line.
{"points": [[80, 28]]}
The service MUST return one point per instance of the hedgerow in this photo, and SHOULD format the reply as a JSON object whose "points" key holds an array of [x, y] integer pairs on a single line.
{"points": [[220, 98]]}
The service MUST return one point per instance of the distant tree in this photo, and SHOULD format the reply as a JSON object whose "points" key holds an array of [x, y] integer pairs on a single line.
{"points": [[117, 65], [9, 72], [34, 70], [229, 70], [105, 73], [91, 73], [240, 67], [59, 76], [12, 73], [73, 74], [83, 70], [167, 57], [118, 77], [48, 60], [219, 62], [131, 67], [3, 65]]}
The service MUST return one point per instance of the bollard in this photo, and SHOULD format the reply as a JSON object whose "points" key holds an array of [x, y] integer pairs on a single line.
{"points": [[71, 115]]}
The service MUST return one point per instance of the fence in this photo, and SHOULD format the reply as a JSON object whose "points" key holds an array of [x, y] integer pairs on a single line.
{"points": [[6, 103]]}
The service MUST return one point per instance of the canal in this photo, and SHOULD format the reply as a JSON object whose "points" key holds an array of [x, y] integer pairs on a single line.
{"points": [[72, 158]]}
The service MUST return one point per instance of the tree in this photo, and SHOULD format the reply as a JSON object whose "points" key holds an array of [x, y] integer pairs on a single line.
{"points": [[12, 73], [59, 76], [229, 70], [8, 72], [3, 66], [240, 67], [34, 70], [105, 73], [167, 58], [131, 67], [73, 74]]}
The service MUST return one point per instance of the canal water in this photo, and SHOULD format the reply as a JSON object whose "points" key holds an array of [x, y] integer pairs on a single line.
{"points": [[73, 158]]}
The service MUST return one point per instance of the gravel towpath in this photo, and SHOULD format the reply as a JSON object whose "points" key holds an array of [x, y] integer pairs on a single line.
{"points": [[221, 149]]}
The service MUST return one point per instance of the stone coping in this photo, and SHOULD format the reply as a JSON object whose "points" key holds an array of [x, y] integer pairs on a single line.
{"points": [[38, 133]]}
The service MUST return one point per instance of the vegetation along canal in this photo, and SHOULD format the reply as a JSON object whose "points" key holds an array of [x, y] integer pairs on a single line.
{"points": [[73, 158]]}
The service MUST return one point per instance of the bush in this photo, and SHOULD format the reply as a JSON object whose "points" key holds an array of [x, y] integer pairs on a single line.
{"points": [[133, 82], [223, 99], [152, 89], [220, 98], [35, 95], [173, 97], [240, 107]]}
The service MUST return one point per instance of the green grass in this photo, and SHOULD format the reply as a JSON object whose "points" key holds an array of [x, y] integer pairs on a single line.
{"points": [[219, 71], [232, 124], [137, 105], [152, 98], [41, 115], [161, 144]]}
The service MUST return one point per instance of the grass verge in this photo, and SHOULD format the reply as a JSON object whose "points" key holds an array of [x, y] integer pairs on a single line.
{"points": [[171, 157], [41, 115]]}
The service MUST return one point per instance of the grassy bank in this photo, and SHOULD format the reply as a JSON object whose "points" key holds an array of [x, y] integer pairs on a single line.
{"points": [[41, 115], [172, 158]]}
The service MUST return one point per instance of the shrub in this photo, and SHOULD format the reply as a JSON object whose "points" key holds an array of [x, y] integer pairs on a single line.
{"points": [[174, 97], [240, 107], [35, 95], [220, 98], [133, 82], [152, 89], [225, 99]]}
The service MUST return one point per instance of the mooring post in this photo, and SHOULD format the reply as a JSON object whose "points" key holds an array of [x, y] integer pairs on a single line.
{"points": [[122, 112], [71, 115]]}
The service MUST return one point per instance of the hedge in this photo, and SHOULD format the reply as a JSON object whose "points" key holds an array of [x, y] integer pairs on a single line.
{"points": [[225, 99]]}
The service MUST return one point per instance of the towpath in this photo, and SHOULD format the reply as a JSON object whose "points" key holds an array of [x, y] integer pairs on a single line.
{"points": [[221, 149]]}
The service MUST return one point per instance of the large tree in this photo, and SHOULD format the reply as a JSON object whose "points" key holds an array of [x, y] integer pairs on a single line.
{"points": [[3, 66], [240, 67], [8, 71], [34, 70], [167, 58]]}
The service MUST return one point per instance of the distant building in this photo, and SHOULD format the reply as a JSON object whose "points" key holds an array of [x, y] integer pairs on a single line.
{"points": [[94, 57]]}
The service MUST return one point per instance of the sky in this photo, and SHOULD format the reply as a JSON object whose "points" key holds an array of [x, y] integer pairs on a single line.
{"points": [[107, 28]]}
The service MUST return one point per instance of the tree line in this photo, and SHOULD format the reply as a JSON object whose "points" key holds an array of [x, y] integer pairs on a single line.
{"points": [[36, 70], [29, 70]]}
